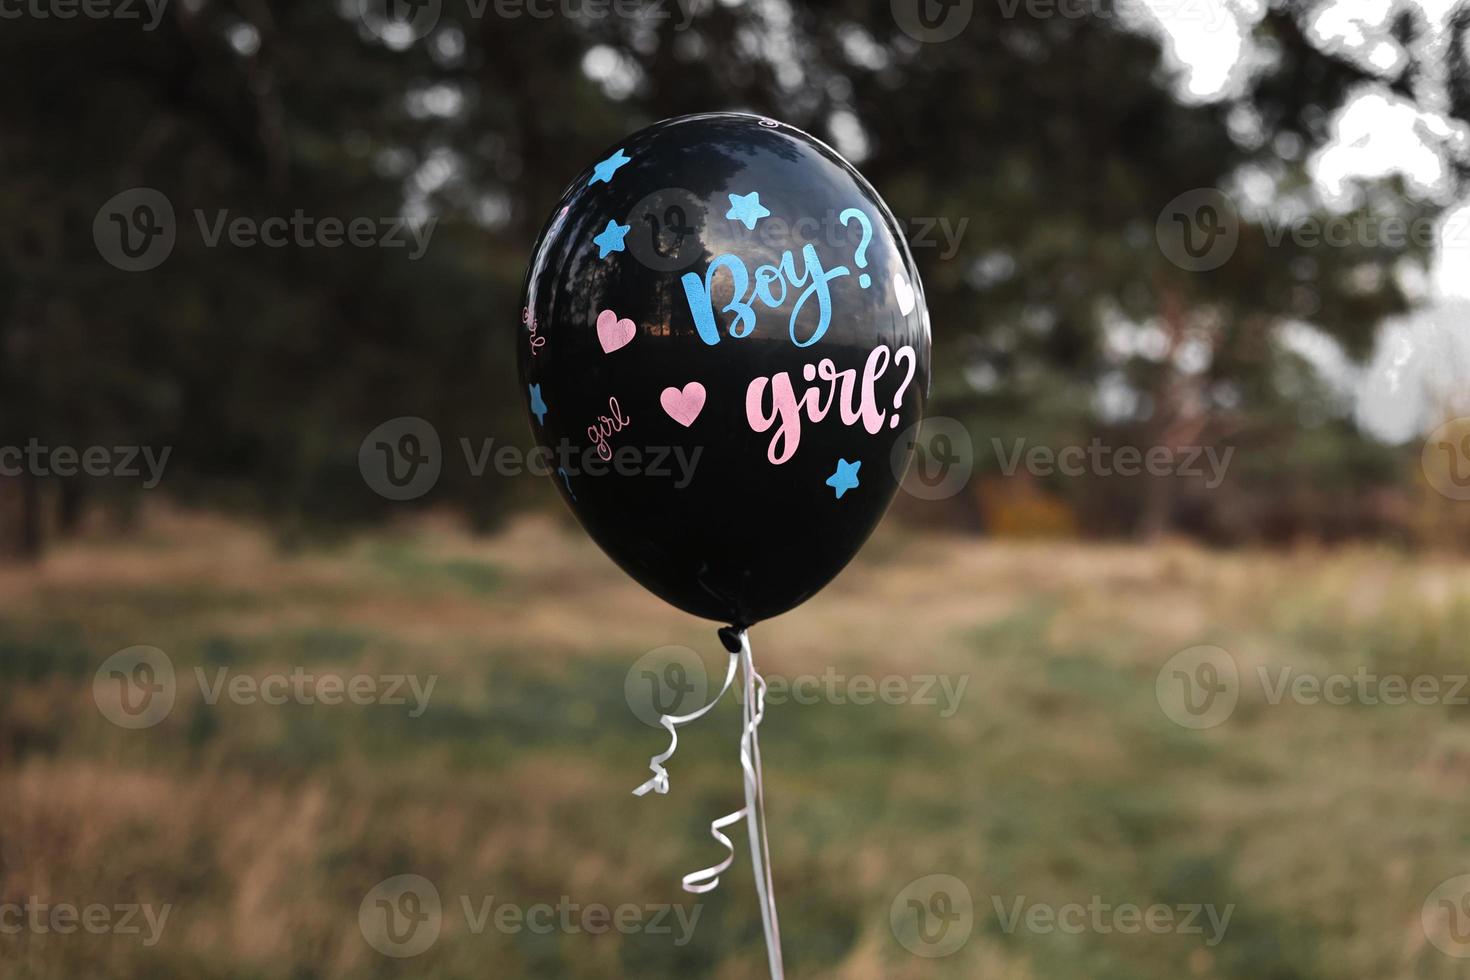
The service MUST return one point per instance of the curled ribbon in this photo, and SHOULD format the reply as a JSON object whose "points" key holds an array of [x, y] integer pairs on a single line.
{"points": [[660, 781], [708, 879]]}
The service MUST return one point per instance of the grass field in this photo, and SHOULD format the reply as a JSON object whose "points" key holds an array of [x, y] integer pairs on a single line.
{"points": [[1022, 750]]}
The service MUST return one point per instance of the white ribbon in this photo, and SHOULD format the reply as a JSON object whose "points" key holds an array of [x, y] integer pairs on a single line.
{"points": [[755, 805], [754, 813], [660, 781]]}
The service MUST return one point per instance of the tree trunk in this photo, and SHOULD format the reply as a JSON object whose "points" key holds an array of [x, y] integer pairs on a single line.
{"points": [[70, 506], [32, 518], [1157, 516]]}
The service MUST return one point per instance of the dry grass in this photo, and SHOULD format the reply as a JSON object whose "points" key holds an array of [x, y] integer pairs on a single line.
{"points": [[1058, 777]]}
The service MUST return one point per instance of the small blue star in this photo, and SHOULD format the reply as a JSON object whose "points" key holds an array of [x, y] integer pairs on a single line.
{"points": [[845, 478], [604, 170], [611, 239], [747, 208], [538, 407]]}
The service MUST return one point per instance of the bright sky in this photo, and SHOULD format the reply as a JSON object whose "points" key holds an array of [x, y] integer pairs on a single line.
{"points": [[1421, 369], [1422, 363]]}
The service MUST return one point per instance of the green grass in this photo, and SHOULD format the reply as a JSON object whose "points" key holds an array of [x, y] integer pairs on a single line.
{"points": [[408, 565], [1058, 780]]}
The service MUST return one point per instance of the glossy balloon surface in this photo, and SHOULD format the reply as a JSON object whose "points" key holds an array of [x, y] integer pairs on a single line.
{"points": [[724, 345]]}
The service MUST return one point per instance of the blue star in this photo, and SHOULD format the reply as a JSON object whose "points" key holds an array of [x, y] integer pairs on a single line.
{"points": [[747, 208], [611, 239], [845, 478], [604, 170], [538, 407]]}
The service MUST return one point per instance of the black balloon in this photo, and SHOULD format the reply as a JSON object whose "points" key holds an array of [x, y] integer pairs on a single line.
{"points": [[728, 437]]}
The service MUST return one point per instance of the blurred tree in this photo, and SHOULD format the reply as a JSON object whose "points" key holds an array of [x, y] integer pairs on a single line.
{"points": [[1045, 146]]}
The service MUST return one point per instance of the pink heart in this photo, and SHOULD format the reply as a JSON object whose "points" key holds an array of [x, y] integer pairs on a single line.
{"points": [[613, 333], [683, 406]]}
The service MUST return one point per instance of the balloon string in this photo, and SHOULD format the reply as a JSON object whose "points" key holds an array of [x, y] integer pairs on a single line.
{"points": [[755, 805], [671, 723], [753, 712]]}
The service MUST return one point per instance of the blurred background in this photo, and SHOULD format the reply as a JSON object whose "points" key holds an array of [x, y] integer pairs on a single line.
{"points": [[1156, 669]]}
